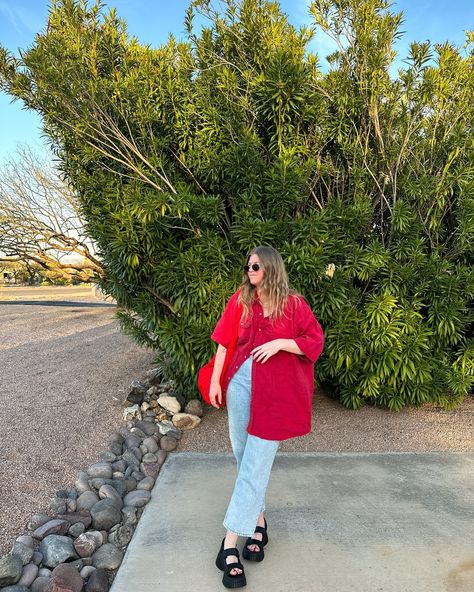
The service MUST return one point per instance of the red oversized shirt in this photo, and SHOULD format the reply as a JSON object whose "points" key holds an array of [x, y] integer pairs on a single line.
{"points": [[282, 387]]}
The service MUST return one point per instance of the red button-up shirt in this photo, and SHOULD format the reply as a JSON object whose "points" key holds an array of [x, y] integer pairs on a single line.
{"points": [[282, 387]]}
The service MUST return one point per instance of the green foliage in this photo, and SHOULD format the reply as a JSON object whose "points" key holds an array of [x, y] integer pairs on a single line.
{"points": [[187, 155]]}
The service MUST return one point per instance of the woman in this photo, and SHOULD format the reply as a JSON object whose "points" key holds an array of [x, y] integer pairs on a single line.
{"points": [[269, 384]]}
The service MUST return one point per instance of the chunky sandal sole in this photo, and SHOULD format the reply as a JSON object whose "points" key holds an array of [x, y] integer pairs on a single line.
{"points": [[230, 581], [256, 555]]}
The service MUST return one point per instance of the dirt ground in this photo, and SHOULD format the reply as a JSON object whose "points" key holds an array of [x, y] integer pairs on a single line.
{"points": [[65, 367]]}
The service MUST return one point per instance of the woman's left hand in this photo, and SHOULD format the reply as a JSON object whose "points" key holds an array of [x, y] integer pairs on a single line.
{"points": [[265, 351]]}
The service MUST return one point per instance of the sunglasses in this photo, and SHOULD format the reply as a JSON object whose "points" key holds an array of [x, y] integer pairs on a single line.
{"points": [[253, 267]]}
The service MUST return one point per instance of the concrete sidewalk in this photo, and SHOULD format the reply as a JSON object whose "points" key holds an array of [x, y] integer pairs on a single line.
{"points": [[337, 522]]}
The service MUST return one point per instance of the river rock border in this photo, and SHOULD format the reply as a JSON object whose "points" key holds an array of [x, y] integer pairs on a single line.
{"points": [[79, 545]]}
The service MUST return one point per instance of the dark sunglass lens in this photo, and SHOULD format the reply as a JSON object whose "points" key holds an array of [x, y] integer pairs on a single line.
{"points": [[255, 266], [246, 268]]}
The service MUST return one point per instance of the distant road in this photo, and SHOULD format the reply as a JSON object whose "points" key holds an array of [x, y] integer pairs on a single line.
{"points": [[69, 293]]}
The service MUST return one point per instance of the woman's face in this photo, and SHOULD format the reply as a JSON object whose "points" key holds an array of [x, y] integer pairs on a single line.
{"points": [[255, 277]]}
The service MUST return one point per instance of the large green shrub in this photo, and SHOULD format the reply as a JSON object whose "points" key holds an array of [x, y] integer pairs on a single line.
{"points": [[187, 155]]}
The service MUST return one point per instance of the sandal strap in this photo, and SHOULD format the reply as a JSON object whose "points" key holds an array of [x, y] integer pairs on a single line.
{"points": [[253, 542], [231, 551], [230, 566], [261, 529]]}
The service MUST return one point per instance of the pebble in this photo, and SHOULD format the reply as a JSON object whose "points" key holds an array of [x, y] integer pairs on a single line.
{"points": [[26, 540], [44, 572], [122, 536], [146, 484], [98, 582], [77, 529], [194, 407], [11, 567], [137, 498], [86, 500], [186, 421], [37, 520], [66, 578], [87, 571], [82, 482], [57, 549], [83, 516], [109, 492], [148, 428], [55, 526], [102, 469], [129, 515], [150, 470], [169, 403], [132, 412], [168, 443], [105, 514], [107, 557], [149, 457], [29, 574], [58, 505], [108, 456], [150, 444], [37, 558], [133, 441], [41, 584], [16, 588], [86, 544], [23, 552]]}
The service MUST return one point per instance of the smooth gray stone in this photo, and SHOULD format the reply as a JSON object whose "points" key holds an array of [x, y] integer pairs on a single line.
{"points": [[41, 584], [137, 498], [100, 470], [98, 582], [108, 456], [11, 567], [87, 571], [149, 428], [146, 484], [77, 529], [38, 520], [86, 500], [44, 572], [37, 557], [58, 505], [105, 514], [107, 557], [150, 444], [56, 526], [82, 482], [16, 588], [26, 540], [57, 549], [29, 575], [109, 492], [23, 552]]}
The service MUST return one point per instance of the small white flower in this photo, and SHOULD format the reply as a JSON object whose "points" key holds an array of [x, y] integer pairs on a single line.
{"points": [[330, 269]]}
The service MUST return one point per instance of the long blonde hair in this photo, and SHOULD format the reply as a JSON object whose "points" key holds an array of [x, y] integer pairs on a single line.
{"points": [[274, 290]]}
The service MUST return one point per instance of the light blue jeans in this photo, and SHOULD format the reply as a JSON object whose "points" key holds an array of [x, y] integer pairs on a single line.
{"points": [[254, 457]]}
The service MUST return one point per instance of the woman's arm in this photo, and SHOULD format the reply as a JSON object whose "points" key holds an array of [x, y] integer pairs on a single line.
{"points": [[269, 349], [215, 391]]}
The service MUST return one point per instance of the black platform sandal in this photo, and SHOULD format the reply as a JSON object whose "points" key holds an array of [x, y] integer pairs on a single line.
{"points": [[260, 554], [229, 580]]}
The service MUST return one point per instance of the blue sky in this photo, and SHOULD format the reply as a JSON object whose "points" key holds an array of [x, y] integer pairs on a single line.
{"points": [[152, 20]]}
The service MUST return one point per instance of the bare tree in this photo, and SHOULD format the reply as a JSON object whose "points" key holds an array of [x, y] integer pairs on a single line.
{"points": [[40, 220]]}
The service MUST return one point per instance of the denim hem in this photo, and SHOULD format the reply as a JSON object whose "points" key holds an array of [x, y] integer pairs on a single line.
{"points": [[237, 533]]}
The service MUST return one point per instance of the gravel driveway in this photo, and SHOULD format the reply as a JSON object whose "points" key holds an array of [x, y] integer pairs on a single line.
{"points": [[61, 364]]}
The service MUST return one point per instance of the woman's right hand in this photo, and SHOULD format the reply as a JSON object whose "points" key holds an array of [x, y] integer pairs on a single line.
{"points": [[215, 395]]}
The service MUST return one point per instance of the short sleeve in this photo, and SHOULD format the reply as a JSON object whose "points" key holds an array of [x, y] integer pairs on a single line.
{"points": [[222, 334], [309, 333]]}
